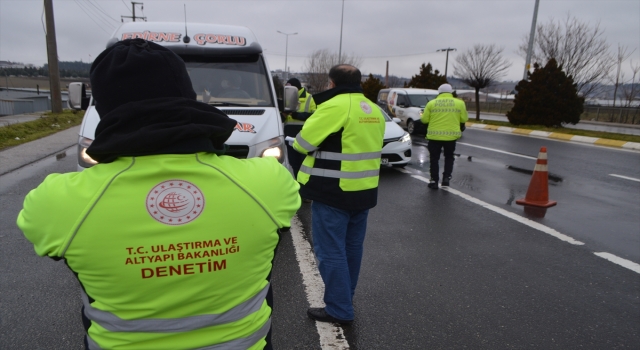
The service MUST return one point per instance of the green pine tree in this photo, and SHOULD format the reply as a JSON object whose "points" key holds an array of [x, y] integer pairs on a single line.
{"points": [[549, 97], [427, 79], [371, 87]]}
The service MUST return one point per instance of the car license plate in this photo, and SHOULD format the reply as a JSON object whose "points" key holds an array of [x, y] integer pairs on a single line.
{"points": [[384, 160]]}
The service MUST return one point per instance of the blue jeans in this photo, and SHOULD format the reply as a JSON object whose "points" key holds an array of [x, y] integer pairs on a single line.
{"points": [[338, 237]]}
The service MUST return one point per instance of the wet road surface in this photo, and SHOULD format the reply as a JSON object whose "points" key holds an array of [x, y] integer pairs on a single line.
{"points": [[593, 206], [439, 271]]}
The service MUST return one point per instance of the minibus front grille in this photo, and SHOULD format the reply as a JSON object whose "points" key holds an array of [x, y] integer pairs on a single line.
{"points": [[243, 111]]}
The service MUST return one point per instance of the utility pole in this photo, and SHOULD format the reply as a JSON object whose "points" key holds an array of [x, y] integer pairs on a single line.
{"points": [[341, 21], [52, 58], [286, 54], [527, 64], [386, 76], [446, 62], [133, 11]]}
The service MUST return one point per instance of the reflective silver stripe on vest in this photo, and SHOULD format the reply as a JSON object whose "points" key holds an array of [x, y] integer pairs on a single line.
{"points": [[346, 156], [243, 343], [114, 323], [91, 344], [239, 344], [443, 133], [304, 144], [339, 174], [307, 103]]}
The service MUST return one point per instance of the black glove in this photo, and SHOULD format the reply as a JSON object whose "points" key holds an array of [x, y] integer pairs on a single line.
{"points": [[462, 126]]}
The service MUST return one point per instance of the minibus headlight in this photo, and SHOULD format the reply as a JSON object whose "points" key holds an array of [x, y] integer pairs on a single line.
{"points": [[84, 160]]}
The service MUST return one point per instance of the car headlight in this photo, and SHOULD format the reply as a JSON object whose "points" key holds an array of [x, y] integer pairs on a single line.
{"points": [[405, 138], [84, 160], [272, 148]]}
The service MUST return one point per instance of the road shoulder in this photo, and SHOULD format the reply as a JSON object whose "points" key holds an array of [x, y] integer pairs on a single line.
{"points": [[16, 157]]}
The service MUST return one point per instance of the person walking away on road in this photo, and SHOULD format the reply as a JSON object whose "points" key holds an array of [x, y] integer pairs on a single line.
{"points": [[343, 143], [294, 121], [172, 242], [444, 118]]}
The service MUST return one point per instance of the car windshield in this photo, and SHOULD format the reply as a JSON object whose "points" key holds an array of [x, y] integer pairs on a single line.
{"points": [[231, 83], [420, 100], [387, 118]]}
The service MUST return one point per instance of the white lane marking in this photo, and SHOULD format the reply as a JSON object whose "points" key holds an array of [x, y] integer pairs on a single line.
{"points": [[625, 177], [516, 217], [496, 150], [620, 261], [403, 170], [331, 337]]}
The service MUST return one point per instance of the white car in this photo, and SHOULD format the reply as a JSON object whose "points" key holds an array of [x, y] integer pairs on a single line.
{"points": [[396, 149], [406, 104]]}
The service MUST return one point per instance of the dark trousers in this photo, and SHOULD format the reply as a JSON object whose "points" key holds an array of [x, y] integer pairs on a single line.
{"points": [[435, 147], [295, 158]]}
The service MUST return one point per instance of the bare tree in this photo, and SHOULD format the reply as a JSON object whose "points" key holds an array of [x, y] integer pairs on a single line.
{"points": [[480, 67], [618, 79], [318, 64], [631, 90], [395, 81], [579, 48]]}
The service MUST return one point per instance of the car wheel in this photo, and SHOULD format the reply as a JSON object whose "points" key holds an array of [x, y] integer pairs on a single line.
{"points": [[411, 126], [399, 165]]}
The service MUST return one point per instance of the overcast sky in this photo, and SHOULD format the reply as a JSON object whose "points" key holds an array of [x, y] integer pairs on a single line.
{"points": [[406, 33]]}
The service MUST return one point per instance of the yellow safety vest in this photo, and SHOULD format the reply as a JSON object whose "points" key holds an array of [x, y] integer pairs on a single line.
{"points": [[343, 142], [444, 115], [306, 105], [172, 251]]}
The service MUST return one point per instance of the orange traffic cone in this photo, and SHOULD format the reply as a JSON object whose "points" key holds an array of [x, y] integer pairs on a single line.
{"points": [[538, 192]]}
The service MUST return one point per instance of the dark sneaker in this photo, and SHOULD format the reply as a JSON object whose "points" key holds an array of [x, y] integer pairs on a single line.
{"points": [[433, 185], [320, 315], [445, 181]]}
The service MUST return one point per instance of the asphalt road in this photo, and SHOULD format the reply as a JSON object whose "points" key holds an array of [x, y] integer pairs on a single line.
{"points": [[594, 206], [441, 270]]}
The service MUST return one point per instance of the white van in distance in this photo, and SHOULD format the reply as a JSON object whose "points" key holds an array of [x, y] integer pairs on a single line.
{"points": [[406, 104], [227, 70]]}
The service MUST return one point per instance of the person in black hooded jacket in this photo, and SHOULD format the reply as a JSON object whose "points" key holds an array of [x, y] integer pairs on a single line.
{"points": [[161, 181]]}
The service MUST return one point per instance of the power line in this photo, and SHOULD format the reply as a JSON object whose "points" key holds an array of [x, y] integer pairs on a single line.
{"points": [[101, 10], [90, 11], [93, 14], [125, 5], [90, 17], [385, 56]]}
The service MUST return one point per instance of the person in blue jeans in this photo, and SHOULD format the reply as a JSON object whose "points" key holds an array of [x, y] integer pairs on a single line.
{"points": [[342, 141], [338, 237]]}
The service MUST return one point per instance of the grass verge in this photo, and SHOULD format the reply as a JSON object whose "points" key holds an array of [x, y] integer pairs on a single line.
{"points": [[50, 123], [598, 134]]}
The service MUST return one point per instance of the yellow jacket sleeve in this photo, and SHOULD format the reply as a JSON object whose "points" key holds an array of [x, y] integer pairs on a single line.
{"points": [[326, 120]]}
